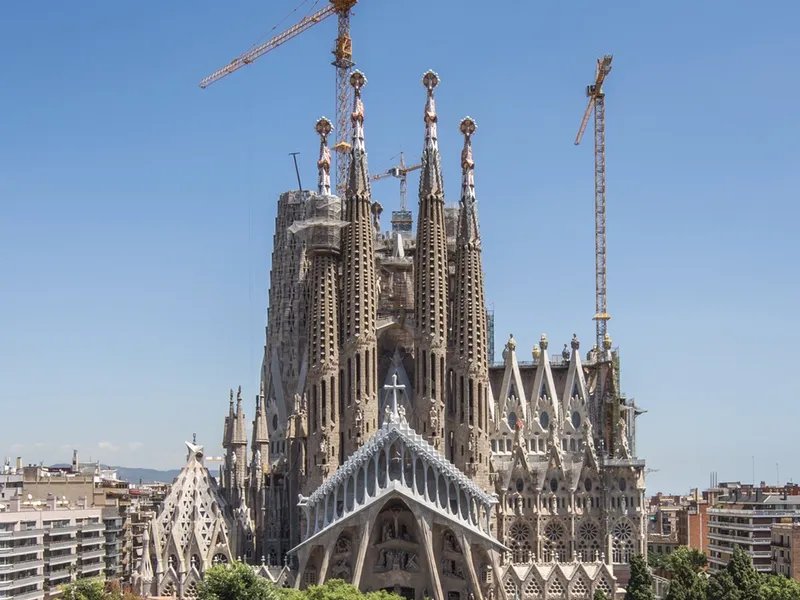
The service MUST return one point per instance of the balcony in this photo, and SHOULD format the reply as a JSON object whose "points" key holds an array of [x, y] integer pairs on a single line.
{"points": [[32, 595], [61, 544], [59, 529], [88, 527], [739, 539], [21, 565], [92, 568], [62, 559], [86, 555], [27, 533], [737, 512], [18, 550], [13, 584], [59, 575]]}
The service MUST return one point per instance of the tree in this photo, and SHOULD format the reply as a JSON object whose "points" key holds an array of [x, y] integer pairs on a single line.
{"points": [[90, 588], [739, 580], [599, 595], [775, 587], [336, 589], [640, 584], [683, 567], [235, 581]]}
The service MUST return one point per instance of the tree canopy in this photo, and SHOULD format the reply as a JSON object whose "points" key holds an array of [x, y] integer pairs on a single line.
{"points": [[237, 581], [640, 584]]}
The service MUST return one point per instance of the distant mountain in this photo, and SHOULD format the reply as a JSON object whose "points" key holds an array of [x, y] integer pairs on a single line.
{"points": [[135, 474]]}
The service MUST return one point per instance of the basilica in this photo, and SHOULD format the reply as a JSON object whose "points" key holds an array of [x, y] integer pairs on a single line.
{"points": [[387, 448]]}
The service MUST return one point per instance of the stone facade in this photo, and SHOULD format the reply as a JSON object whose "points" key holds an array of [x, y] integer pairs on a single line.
{"points": [[195, 529], [383, 410]]}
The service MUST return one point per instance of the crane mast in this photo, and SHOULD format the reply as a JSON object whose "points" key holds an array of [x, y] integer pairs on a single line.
{"points": [[401, 219], [597, 105], [343, 61]]}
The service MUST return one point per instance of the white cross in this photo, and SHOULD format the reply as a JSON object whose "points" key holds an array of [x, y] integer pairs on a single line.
{"points": [[394, 386]]}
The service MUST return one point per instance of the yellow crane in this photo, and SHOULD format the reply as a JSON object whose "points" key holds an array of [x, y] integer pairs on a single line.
{"points": [[343, 61], [596, 97], [401, 219]]}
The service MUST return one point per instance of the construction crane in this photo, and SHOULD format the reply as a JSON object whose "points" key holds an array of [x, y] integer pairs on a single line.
{"points": [[401, 219], [343, 61], [597, 102]]}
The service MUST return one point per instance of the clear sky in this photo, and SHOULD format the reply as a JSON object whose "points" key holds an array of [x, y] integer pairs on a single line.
{"points": [[138, 210]]}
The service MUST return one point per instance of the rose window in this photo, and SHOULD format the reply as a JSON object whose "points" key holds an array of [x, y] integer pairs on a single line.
{"points": [[623, 535], [519, 541], [589, 540]]}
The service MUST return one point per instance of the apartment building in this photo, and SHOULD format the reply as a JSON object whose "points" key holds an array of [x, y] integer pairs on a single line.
{"points": [[46, 544], [742, 516], [786, 548]]}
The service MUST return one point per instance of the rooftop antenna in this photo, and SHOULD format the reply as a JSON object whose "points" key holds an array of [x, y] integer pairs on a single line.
{"points": [[296, 170]]}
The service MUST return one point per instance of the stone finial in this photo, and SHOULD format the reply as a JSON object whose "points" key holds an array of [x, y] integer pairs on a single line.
{"points": [[430, 80], [607, 341], [323, 127], [537, 352], [512, 343], [231, 396], [575, 342], [357, 80], [239, 394], [543, 342]]}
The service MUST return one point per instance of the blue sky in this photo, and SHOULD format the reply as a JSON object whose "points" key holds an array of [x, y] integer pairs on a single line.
{"points": [[138, 210]]}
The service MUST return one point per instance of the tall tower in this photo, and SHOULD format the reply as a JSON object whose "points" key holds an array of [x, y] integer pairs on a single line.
{"points": [[236, 460], [468, 375], [430, 284], [324, 209], [260, 450], [358, 364]]}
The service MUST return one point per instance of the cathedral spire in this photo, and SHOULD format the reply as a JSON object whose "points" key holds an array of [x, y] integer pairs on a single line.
{"points": [[468, 358], [468, 231], [358, 360], [358, 179], [430, 282], [323, 128], [430, 180]]}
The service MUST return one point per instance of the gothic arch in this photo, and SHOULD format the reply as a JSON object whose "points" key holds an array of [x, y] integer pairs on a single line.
{"points": [[623, 536], [589, 538], [519, 539], [554, 540]]}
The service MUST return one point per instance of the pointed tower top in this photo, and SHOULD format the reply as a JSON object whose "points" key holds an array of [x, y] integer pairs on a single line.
{"points": [[239, 395], [430, 80], [430, 179], [358, 81], [358, 176], [323, 128], [469, 233]]}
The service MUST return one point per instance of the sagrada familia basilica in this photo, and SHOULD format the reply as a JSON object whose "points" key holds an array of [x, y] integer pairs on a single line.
{"points": [[387, 449]]}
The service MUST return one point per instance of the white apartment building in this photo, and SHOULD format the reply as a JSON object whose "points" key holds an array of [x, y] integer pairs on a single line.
{"points": [[745, 519], [44, 545]]}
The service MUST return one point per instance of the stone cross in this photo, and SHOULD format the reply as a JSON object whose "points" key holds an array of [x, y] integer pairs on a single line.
{"points": [[393, 387]]}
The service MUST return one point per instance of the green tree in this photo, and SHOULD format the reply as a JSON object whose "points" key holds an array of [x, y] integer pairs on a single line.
{"points": [[235, 581], [775, 587], [739, 580], [336, 589], [91, 588], [640, 584], [683, 568], [599, 595]]}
